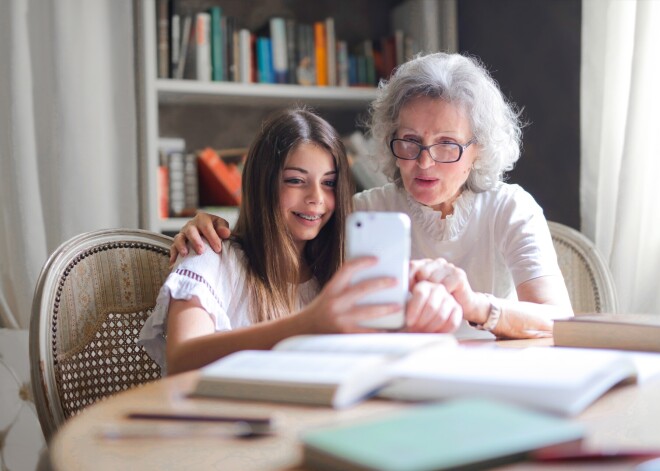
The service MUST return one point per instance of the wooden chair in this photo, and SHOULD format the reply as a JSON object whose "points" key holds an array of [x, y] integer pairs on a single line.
{"points": [[92, 298], [588, 278]]}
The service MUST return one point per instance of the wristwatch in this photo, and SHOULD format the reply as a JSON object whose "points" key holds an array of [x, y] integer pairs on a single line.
{"points": [[493, 315]]}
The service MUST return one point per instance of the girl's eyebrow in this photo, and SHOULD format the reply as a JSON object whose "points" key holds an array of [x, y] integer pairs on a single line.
{"points": [[302, 170]]}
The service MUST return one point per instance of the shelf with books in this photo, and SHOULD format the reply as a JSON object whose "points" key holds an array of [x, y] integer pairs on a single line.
{"points": [[223, 111]]}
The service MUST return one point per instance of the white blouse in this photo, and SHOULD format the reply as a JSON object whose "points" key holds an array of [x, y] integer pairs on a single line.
{"points": [[218, 282], [499, 237]]}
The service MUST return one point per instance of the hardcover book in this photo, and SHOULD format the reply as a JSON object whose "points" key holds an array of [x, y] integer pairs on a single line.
{"points": [[320, 54], [332, 370], [461, 434], [204, 69], [615, 331], [219, 182], [217, 44], [280, 53]]}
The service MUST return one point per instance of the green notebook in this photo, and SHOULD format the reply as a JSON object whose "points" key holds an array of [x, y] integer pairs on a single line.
{"points": [[463, 434]]}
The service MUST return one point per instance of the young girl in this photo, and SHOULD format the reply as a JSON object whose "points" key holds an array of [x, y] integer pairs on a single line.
{"points": [[287, 244]]}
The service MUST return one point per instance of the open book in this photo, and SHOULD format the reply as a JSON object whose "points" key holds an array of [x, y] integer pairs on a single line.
{"points": [[340, 370], [558, 380], [335, 370]]}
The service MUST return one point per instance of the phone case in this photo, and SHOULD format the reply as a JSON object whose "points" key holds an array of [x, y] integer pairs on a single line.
{"points": [[385, 235]]}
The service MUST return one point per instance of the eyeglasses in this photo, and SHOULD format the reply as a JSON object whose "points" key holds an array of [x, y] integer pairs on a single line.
{"points": [[443, 152]]}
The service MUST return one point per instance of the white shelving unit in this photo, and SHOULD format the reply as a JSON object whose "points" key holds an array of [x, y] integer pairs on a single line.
{"points": [[153, 92]]}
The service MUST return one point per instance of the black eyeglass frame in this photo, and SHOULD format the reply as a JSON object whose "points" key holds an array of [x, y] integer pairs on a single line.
{"points": [[422, 148]]}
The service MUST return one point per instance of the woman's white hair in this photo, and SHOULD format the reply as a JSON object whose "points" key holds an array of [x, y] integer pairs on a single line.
{"points": [[462, 81]]}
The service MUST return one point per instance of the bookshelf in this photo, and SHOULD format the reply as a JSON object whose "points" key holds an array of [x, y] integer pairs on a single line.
{"points": [[216, 113]]}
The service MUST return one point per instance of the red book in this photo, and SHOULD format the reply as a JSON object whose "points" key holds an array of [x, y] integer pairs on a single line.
{"points": [[219, 182]]}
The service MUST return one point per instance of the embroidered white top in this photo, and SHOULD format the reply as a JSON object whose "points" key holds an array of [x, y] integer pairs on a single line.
{"points": [[218, 281], [499, 237]]}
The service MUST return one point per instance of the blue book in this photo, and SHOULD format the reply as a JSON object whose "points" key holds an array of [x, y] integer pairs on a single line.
{"points": [[461, 434], [217, 44], [352, 70], [265, 61]]}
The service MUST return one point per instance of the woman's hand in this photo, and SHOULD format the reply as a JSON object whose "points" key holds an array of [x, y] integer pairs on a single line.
{"points": [[539, 300], [212, 228], [336, 308], [431, 309], [475, 305]]}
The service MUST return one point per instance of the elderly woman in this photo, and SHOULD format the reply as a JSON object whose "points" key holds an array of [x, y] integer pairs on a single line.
{"points": [[447, 136]]}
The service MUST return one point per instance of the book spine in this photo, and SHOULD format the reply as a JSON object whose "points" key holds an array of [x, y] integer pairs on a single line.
{"points": [[217, 48], [370, 64], [342, 63], [163, 38], [236, 57], [175, 43], [331, 51], [291, 50], [305, 65], [264, 60], [231, 45], [311, 51], [279, 49], [245, 61], [163, 191], [183, 53], [353, 70], [388, 50], [190, 184], [361, 69], [177, 195], [203, 43], [254, 68], [321, 54]]}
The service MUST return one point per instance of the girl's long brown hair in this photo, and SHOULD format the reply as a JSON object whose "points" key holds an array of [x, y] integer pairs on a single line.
{"points": [[273, 268]]}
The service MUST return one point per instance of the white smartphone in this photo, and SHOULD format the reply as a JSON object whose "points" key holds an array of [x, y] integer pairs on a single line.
{"points": [[385, 235]]}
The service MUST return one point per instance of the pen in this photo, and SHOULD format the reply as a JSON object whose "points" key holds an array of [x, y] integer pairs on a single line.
{"points": [[133, 430], [595, 455], [261, 421]]}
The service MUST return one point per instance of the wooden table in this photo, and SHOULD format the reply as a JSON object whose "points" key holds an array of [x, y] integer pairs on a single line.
{"points": [[626, 417]]}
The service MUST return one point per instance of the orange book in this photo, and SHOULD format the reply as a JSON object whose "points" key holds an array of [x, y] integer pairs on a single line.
{"points": [[163, 191], [321, 50], [219, 182]]}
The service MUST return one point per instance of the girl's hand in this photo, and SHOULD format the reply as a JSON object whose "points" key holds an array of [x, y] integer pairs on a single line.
{"points": [[336, 308]]}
